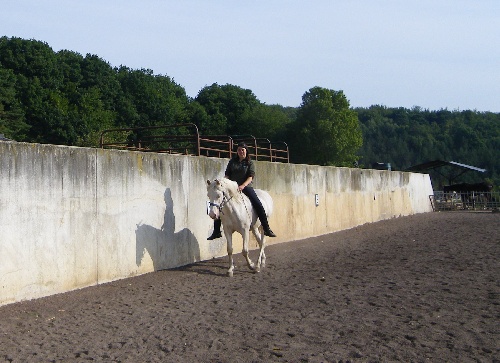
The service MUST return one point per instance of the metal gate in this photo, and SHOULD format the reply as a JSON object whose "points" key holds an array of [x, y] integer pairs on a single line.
{"points": [[185, 139], [473, 201]]}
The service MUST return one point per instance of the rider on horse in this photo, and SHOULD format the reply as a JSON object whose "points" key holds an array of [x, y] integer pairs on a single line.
{"points": [[241, 169]]}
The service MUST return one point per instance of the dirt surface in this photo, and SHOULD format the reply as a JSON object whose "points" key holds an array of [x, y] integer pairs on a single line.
{"points": [[412, 289]]}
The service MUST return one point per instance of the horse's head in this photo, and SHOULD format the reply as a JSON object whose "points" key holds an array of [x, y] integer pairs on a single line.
{"points": [[215, 195], [219, 192]]}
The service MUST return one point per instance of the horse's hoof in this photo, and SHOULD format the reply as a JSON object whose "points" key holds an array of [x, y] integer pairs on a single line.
{"points": [[230, 273]]}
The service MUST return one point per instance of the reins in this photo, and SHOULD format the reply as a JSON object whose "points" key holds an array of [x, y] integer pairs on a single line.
{"points": [[225, 200], [243, 200]]}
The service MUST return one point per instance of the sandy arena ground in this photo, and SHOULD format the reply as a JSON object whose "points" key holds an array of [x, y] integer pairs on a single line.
{"points": [[412, 289]]}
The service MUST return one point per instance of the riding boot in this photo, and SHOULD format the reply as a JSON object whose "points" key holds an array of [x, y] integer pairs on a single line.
{"points": [[216, 233], [263, 220]]}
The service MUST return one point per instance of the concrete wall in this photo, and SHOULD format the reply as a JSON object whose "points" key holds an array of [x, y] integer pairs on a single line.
{"points": [[74, 217]]}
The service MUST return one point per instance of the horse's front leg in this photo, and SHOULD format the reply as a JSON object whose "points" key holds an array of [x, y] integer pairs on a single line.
{"points": [[246, 237], [229, 239]]}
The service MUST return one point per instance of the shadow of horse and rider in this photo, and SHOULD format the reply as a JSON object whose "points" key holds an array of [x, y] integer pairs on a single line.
{"points": [[165, 247]]}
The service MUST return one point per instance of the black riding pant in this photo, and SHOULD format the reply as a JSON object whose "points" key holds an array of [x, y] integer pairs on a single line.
{"points": [[257, 204]]}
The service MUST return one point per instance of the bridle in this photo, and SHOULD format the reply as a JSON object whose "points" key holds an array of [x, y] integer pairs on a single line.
{"points": [[225, 200]]}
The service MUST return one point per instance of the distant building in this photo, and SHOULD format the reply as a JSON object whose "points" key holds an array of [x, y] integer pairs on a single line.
{"points": [[382, 166]]}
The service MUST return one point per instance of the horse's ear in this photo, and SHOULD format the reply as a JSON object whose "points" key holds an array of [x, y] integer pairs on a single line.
{"points": [[217, 181], [208, 182]]}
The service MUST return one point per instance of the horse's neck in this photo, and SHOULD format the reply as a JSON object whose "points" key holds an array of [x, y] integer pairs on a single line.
{"points": [[234, 195], [231, 189], [238, 207]]}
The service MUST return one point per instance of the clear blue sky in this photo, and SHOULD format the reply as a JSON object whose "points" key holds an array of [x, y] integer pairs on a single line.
{"points": [[429, 53]]}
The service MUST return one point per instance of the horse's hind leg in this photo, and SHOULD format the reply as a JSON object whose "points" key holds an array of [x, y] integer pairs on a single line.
{"points": [[261, 239], [262, 256], [246, 237]]}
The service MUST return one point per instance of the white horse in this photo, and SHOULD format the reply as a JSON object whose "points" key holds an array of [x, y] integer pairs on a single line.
{"points": [[237, 215]]}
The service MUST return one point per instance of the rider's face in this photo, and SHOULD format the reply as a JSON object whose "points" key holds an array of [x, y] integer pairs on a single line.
{"points": [[242, 152]]}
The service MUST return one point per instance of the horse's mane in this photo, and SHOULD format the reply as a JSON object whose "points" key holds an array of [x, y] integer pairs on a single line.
{"points": [[231, 187]]}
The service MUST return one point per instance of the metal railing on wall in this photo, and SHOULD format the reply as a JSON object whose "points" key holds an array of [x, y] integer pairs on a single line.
{"points": [[472, 201], [185, 139]]}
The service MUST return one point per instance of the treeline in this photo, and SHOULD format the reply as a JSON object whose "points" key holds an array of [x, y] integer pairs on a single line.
{"points": [[69, 99], [66, 98], [406, 137]]}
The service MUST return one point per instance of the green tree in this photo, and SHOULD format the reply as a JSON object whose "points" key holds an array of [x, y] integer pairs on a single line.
{"points": [[196, 114], [263, 121], [326, 131], [92, 118], [151, 100], [70, 64], [225, 106], [32, 59], [12, 119]]}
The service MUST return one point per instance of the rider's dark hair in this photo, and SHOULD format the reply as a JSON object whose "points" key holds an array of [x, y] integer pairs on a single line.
{"points": [[243, 145]]}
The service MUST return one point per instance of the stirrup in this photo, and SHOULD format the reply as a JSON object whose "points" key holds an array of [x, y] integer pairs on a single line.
{"points": [[214, 236]]}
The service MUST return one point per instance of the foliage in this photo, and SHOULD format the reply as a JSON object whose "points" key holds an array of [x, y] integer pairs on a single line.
{"points": [[12, 118], [326, 131], [263, 121], [65, 98], [232, 110], [225, 106], [406, 137]]}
